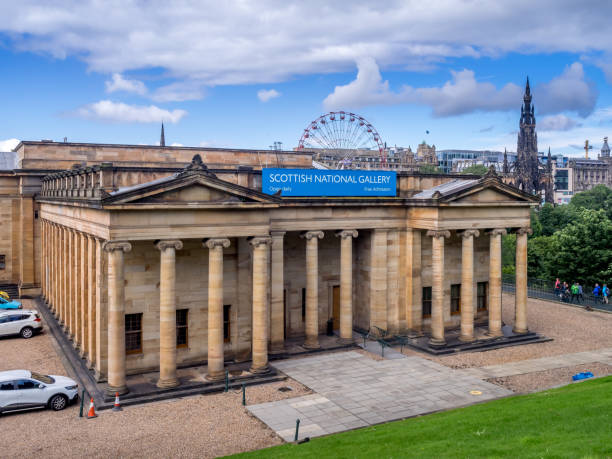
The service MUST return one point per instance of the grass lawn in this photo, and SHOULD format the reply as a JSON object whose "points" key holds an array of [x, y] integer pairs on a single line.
{"points": [[572, 421]]}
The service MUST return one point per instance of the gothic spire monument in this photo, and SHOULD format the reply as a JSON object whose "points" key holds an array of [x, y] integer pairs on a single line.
{"points": [[162, 139], [529, 175]]}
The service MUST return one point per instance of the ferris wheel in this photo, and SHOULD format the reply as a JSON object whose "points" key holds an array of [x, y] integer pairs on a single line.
{"points": [[337, 137]]}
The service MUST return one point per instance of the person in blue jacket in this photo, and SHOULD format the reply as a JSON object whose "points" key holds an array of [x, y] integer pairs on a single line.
{"points": [[605, 292]]}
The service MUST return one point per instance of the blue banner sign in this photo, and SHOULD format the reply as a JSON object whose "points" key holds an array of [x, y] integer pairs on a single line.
{"points": [[317, 182]]}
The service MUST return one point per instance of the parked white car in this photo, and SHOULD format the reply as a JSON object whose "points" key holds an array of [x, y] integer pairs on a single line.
{"points": [[23, 389], [24, 322]]}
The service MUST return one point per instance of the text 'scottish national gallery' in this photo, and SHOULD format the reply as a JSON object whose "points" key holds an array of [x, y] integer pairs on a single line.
{"points": [[154, 257]]}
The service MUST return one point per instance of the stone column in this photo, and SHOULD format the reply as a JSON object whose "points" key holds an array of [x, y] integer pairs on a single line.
{"points": [[43, 261], [520, 298], [277, 307], [495, 282], [167, 313], [215, 307], [116, 316], [312, 288], [91, 301], [64, 278], [26, 253], [101, 331], [260, 304], [378, 279], [69, 268], [393, 255], [437, 290], [346, 285], [414, 290], [84, 309], [467, 285], [76, 288]]}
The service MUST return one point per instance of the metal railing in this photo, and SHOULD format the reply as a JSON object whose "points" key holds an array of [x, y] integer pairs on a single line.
{"points": [[545, 290]]}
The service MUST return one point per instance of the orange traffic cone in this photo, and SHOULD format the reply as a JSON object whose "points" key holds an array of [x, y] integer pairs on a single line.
{"points": [[117, 406], [92, 410]]}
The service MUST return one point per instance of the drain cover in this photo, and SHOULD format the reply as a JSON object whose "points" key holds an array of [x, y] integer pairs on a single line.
{"points": [[475, 392]]}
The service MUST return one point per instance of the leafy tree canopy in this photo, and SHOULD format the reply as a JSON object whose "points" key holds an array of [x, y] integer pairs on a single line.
{"points": [[430, 169], [475, 169]]}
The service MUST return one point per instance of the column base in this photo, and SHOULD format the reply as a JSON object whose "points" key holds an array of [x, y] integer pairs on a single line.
{"points": [[89, 364], [495, 333], [111, 391], [520, 331], [437, 342], [260, 370], [168, 383], [82, 354], [346, 341], [312, 343], [214, 376], [467, 339], [277, 349]]}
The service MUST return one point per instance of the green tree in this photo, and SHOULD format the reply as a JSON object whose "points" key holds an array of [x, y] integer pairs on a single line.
{"points": [[553, 218], [582, 251], [598, 197], [430, 169], [475, 169]]}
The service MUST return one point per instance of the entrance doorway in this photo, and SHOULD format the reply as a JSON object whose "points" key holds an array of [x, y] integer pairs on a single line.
{"points": [[336, 306]]}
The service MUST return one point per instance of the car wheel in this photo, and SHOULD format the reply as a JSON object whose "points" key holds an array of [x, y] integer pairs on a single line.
{"points": [[27, 332], [58, 402]]}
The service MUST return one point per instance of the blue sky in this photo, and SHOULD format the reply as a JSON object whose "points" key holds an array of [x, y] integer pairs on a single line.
{"points": [[246, 74]]}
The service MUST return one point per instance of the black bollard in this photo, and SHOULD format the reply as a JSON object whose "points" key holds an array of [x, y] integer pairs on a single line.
{"points": [[82, 401], [243, 394], [226, 381], [297, 429]]}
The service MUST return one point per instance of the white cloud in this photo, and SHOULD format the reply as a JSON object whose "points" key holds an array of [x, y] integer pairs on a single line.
{"points": [[8, 144], [265, 95], [118, 83], [107, 110], [212, 43], [176, 144], [462, 94], [558, 122], [570, 91]]}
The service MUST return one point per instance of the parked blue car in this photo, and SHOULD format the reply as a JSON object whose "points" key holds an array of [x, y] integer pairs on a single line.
{"points": [[6, 304]]}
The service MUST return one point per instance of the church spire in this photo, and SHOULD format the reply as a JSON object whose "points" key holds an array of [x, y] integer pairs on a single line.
{"points": [[162, 140], [506, 168]]}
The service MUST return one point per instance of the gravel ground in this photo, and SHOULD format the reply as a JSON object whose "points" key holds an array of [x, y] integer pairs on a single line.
{"points": [[572, 329], [534, 382], [200, 426]]}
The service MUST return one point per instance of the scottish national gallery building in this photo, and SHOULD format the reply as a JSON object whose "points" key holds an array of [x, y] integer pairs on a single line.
{"points": [[158, 257]]}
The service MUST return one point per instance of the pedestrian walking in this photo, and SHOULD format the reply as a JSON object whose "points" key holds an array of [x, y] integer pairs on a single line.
{"points": [[574, 291], [580, 293], [596, 292], [557, 286], [605, 292]]}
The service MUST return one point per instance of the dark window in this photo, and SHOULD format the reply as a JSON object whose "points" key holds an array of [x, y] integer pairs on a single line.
{"points": [[7, 385], [16, 317], [426, 302], [4, 319], [482, 295], [133, 333], [303, 303], [26, 384], [2, 261], [455, 299], [182, 329], [226, 322]]}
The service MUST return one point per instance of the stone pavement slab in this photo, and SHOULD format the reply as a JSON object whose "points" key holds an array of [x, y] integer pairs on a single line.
{"points": [[353, 390]]}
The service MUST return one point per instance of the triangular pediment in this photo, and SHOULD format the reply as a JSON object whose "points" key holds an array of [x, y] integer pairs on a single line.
{"points": [[487, 190], [190, 188]]}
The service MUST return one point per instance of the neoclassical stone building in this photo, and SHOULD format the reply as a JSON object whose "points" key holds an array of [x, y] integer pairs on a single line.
{"points": [[149, 267]]}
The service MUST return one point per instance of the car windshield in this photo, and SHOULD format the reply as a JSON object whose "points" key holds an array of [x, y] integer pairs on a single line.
{"points": [[42, 378], [2, 300]]}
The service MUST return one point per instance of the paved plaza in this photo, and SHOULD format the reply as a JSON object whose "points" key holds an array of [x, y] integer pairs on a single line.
{"points": [[353, 390]]}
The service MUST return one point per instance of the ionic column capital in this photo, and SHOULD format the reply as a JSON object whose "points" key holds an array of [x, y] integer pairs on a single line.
{"points": [[277, 234], [111, 246], [260, 240], [498, 232], [211, 243], [175, 244], [469, 233], [347, 233], [308, 235], [438, 233], [525, 230]]}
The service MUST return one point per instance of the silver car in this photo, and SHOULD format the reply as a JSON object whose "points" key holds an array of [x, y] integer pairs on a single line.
{"points": [[24, 322], [24, 389]]}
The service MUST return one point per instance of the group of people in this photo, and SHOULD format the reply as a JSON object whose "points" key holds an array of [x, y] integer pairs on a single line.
{"points": [[574, 293]]}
